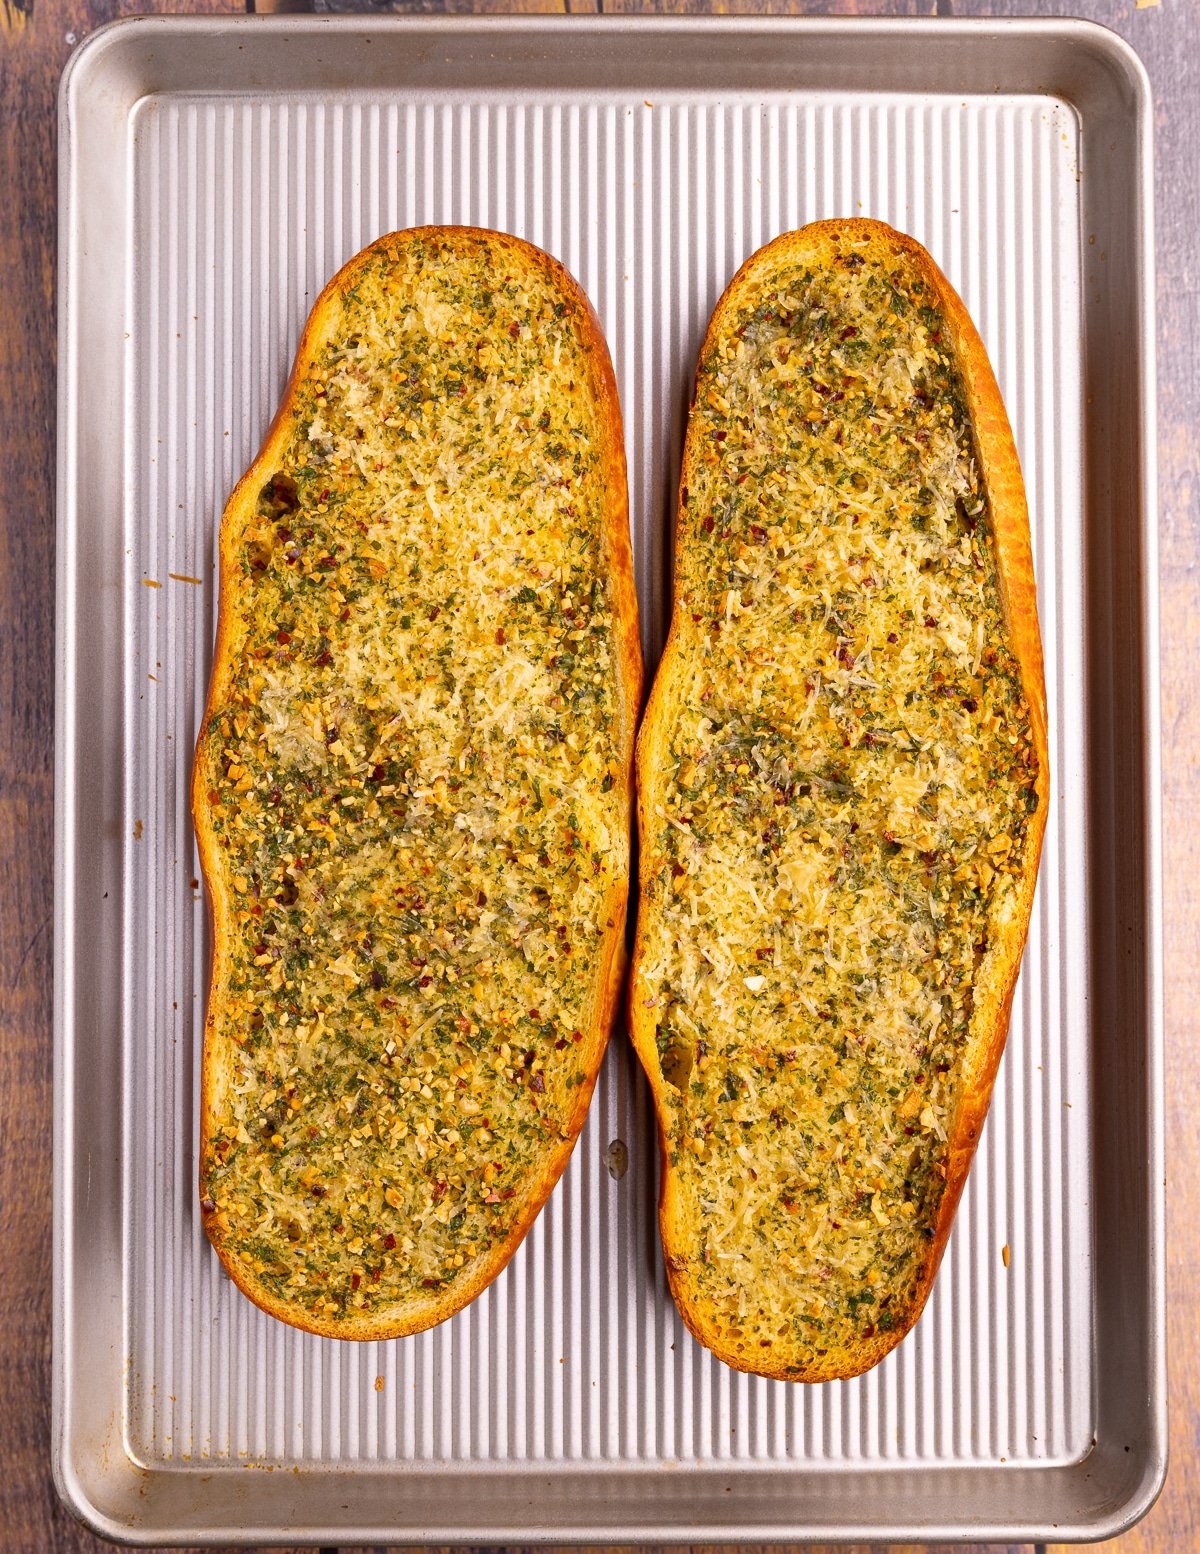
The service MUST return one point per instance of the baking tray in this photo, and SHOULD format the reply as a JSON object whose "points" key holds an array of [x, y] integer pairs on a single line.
{"points": [[214, 173]]}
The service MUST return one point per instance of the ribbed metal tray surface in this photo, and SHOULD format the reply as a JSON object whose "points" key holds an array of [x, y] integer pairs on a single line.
{"points": [[240, 194]]}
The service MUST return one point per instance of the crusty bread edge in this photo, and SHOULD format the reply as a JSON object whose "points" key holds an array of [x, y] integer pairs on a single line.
{"points": [[1000, 469], [628, 669]]}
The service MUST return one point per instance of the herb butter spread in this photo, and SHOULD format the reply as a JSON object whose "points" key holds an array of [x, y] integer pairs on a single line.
{"points": [[412, 787], [837, 779]]}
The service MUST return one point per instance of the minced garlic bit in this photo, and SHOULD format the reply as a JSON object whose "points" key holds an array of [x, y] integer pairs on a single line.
{"points": [[413, 787], [841, 814]]}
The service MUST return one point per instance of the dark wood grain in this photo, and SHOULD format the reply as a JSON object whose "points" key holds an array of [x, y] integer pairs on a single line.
{"points": [[35, 42], [1167, 36], [714, 1548], [29, 65], [36, 37]]}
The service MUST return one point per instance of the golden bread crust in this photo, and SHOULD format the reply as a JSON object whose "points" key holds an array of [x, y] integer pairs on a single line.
{"points": [[586, 358], [813, 247]]}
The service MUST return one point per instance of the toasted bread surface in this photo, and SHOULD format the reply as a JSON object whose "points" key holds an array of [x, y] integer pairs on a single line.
{"points": [[412, 788], [842, 787]]}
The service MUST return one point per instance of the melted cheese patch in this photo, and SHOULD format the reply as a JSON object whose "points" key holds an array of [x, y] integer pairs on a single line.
{"points": [[415, 787], [839, 819]]}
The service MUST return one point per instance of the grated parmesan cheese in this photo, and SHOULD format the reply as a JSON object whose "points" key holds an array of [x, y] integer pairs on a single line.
{"points": [[848, 735]]}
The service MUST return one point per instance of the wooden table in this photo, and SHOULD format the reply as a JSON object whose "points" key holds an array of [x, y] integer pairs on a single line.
{"points": [[36, 38]]}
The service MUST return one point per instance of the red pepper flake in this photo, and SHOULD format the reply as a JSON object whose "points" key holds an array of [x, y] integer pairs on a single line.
{"points": [[439, 1191], [355, 1280], [708, 526], [538, 1083], [389, 1242], [500, 637], [434, 613], [283, 636]]}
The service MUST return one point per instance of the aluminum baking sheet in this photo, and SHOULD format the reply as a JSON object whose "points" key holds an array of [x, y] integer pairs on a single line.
{"points": [[214, 174]]}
